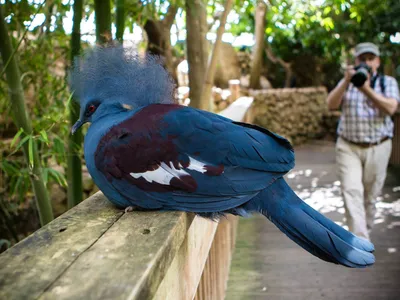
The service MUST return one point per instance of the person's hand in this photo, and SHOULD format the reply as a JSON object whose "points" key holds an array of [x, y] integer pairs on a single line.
{"points": [[366, 84], [349, 72]]}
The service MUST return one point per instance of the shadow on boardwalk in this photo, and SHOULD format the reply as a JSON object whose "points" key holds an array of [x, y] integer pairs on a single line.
{"points": [[267, 265]]}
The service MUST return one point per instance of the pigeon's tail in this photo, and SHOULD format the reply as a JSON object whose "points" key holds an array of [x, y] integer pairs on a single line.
{"points": [[310, 229]]}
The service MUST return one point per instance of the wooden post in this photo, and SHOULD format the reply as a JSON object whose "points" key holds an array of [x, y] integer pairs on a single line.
{"points": [[234, 87], [213, 282], [395, 156]]}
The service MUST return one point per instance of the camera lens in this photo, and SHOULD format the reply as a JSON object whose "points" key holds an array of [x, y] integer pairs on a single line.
{"points": [[358, 79], [360, 76]]}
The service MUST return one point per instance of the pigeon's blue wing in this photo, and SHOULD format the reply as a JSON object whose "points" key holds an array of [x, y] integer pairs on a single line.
{"points": [[175, 157]]}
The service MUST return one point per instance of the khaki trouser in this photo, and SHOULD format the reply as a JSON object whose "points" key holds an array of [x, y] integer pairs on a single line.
{"points": [[362, 173]]}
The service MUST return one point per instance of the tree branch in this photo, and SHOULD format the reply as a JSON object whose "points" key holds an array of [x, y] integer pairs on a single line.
{"points": [[209, 79], [170, 16], [286, 65]]}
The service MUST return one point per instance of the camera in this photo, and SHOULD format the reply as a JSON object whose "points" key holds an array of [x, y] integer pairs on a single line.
{"points": [[361, 75]]}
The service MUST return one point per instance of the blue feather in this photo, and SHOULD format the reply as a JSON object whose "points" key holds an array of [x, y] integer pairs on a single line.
{"points": [[118, 73], [311, 230]]}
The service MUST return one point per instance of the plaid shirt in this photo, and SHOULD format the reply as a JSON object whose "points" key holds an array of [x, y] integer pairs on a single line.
{"points": [[361, 121]]}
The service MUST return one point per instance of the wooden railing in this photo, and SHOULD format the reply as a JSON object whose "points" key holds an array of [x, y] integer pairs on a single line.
{"points": [[95, 251]]}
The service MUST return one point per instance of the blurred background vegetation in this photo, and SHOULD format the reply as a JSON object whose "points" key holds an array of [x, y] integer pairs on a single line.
{"points": [[303, 43]]}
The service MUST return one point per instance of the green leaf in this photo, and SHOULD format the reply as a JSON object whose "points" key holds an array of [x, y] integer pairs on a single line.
{"points": [[68, 102], [353, 15], [30, 152], [20, 131], [59, 150], [16, 186], [8, 168], [327, 10], [21, 142], [60, 178], [44, 136]]}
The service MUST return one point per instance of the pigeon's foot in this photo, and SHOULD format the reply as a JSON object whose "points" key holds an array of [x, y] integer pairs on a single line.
{"points": [[130, 209], [136, 208]]}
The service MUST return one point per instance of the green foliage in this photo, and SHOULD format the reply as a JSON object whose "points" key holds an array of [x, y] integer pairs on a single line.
{"points": [[321, 25], [43, 79], [15, 171], [324, 30], [245, 21], [139, 11]]}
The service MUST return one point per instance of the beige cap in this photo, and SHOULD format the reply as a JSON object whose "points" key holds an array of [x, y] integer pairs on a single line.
{"points": [[366, 48]]}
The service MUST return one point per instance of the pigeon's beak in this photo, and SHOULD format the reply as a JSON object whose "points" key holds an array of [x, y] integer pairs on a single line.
{"points": [[76, 126]]}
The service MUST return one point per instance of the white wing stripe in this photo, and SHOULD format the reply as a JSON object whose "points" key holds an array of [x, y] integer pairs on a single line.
{"points": [[196, 165], [159, 175], [166, 172]]}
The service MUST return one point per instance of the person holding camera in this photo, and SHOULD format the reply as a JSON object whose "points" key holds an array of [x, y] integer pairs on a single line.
{"points": [[363, 148]]}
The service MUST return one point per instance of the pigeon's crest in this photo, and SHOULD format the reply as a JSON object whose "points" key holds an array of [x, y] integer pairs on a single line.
{"points": [[117, 73]]}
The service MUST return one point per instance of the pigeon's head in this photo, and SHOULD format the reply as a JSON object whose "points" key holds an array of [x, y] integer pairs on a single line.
{"points": [[112, 79]]}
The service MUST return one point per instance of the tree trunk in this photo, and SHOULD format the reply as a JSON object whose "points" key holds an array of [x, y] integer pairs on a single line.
{"points": [[286, 65], [197, 49], [209, 78], [159, 37], [154, 38], [120, 20], [22, 121], [288, 75], [74, 170], [258, 51], [166, 38], [102, 9]]}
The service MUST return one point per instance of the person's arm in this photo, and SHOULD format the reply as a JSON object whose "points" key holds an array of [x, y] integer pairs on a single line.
{"points": [[388, 105], [335, 97]]}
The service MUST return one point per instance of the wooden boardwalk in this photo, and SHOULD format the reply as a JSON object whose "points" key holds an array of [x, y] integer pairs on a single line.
{"points": [[267, 265]]}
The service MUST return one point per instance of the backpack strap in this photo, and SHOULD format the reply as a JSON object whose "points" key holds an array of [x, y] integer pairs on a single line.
{"points": [[382, 83]]}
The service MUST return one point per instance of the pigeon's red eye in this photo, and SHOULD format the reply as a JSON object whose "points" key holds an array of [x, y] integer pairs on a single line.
{"points": [[91, 108]]}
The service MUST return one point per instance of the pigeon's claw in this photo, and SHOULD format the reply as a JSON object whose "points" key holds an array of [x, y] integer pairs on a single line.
{"points": [[129, 209]]}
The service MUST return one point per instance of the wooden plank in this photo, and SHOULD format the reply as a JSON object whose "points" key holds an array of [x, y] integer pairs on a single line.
{"points": [[213, 282], [238, 109], [29, 267], [128, 262], [183, 276]]}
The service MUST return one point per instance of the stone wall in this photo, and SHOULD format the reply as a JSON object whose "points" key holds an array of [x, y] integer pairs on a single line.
{"points": [[297, 114]]}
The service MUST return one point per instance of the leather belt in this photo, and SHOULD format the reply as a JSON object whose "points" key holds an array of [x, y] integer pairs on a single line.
{"points": [[366, 145]]}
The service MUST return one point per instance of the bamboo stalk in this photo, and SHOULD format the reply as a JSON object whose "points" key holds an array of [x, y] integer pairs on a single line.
{"points": [[120, 20], [102, 9], [21, 39], [22, 120], [74, 170]]}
